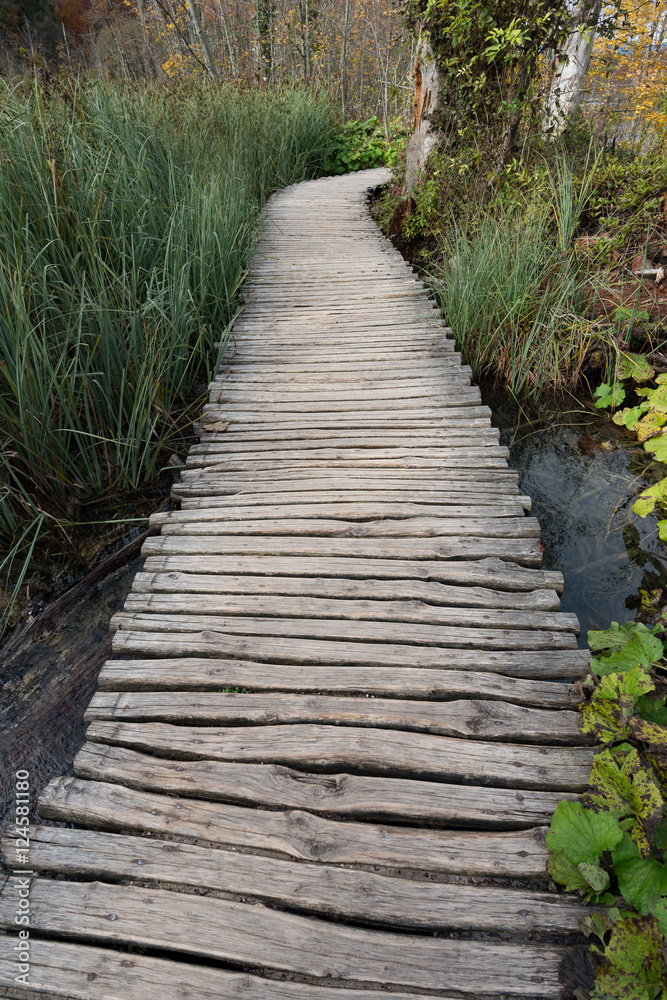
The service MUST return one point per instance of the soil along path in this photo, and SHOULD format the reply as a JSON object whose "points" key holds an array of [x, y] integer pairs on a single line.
{"points": [[340, 710]]}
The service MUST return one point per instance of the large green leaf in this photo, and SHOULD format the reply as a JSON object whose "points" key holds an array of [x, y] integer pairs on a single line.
{"points": [[647, 500], [657, 446], [639, 646], [565, 873], [642, 881], [632, 967], [629, 415], [583, 835], [619, 783], [609, 395], [617, 636]]}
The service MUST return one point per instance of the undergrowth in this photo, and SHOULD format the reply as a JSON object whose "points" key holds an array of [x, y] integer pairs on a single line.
{"points": [[534, 272], [126, 215], [609, 845]]}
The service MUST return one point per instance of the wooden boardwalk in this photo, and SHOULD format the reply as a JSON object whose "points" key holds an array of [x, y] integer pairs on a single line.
{"points": [[340, 716]]}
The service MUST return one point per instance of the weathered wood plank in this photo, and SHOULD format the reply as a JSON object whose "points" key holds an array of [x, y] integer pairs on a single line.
{"points": [[525, 551], [350, 795], [253, 934], [301, 886], [200, 674], [392, 514], [549, 663], [484, 572], [441, 758], [413, 527], [369, 610], [436, 594], [474, 719], [339, 628], [296, 833], [84, 972]]}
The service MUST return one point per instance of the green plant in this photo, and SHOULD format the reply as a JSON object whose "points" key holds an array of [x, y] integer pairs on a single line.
{"points": [[125, 220], [611, 842], [363, 145], [519, 302]]}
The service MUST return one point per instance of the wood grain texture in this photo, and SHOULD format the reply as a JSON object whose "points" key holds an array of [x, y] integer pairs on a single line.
{"points": [[85, 972], [434, 594], [477, 573], [360, 631], [295, 833], [200, 674], [373, 751], [343, 794], [350, 609], [487, 720], [306, 887], [569, 664], [524, 551], [253, 934]]}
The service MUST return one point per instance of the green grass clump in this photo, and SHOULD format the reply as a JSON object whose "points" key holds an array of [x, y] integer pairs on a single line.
{"points": [[126, 216], [520, 297]]}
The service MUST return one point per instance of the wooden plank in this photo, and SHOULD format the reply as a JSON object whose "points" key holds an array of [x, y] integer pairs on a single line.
{"points": [[201, 487], [256, 935], [295, 833], [469, 458], [451, 416], [483, 572], [437, 594], [525, 551], [391, 514], [469, 395], [350, 795], [304, 887], [476, 442], [414, 527], [441, 758], [474, 719], [192, 674], [84, 972], [548, 663], [414, 612], [337, 628]]}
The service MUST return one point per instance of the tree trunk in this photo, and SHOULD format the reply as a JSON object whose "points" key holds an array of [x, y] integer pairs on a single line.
{"points": [[428, 92], [202, 39], [567, 86]]}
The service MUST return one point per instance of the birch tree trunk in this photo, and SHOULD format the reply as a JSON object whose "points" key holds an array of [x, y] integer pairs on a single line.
{"points": [[567, 86], [202, 39], [428, 93]]}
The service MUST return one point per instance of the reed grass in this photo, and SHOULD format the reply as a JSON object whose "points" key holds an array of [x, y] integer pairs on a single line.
{"points": [[126, 217], [521, 300]]}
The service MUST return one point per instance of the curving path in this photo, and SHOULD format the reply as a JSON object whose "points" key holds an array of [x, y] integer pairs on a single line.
{"points": [[340, 715]]}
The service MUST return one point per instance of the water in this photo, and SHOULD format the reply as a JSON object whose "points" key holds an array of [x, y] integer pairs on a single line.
{"points": [[583, 480], [46, 689]]}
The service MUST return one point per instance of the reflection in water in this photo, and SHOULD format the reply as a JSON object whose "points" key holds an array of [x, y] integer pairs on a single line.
{"points": [[582, 495]]}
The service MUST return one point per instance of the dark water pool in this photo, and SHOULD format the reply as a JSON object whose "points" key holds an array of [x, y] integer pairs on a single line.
{"points": [[583, 476]]}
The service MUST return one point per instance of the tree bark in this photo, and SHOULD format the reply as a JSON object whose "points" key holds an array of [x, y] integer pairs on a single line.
{"points": [[567, 86], [428, 93], [202, 39]]}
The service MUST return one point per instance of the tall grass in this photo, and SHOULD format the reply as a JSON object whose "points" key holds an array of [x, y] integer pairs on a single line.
{"points": [[519, 296], [126, 216]]}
